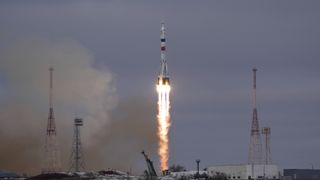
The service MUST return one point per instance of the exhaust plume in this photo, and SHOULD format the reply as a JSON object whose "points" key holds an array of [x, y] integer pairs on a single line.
{"points": [[163, 123]]}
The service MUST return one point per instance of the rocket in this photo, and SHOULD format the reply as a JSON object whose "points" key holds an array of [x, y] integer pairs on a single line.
{"points": [[163, 77], [163, 117]]}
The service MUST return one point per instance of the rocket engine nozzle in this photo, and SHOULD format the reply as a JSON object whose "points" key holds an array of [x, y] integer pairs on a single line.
{"points": [[163, 80]]}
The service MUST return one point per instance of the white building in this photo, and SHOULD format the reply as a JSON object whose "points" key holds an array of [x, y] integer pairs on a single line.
{"points": [[246, 171], [186, 174]]}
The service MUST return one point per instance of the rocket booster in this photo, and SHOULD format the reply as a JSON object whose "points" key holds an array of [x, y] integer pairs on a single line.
{"points": [[163, 77]]}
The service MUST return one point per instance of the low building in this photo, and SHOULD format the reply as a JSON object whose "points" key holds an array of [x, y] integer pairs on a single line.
{"points": [[8, 175], [246, 171], [301, 174], [187, 174]]}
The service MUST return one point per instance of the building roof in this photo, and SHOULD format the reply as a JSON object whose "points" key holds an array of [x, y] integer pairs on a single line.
{"points": [[302, 173], [6, 174]]}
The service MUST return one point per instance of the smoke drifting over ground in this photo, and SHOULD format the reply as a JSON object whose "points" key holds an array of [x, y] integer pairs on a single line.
{"points": [[80, 89], [132, 129]]}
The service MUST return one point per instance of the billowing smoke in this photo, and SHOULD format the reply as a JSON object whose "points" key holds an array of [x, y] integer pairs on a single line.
{"points": [[132, 129], [80, 89]]}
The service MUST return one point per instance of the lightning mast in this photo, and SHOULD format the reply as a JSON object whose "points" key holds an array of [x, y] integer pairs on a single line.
{"points": [[255, 148], [266, 131], [52, 154], [76, 155]]}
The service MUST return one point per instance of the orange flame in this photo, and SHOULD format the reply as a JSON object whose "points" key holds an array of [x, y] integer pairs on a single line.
{"points": [[163, 123]]}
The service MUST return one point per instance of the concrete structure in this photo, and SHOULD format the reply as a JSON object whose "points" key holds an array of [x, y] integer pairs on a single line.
{"points": [[246, 171]]}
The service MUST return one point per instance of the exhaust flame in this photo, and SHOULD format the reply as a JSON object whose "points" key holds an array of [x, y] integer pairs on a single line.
{"points": [[163, 90]]}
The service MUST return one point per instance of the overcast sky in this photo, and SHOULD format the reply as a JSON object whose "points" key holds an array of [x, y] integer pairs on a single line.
{"points": [[212, 47]]}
